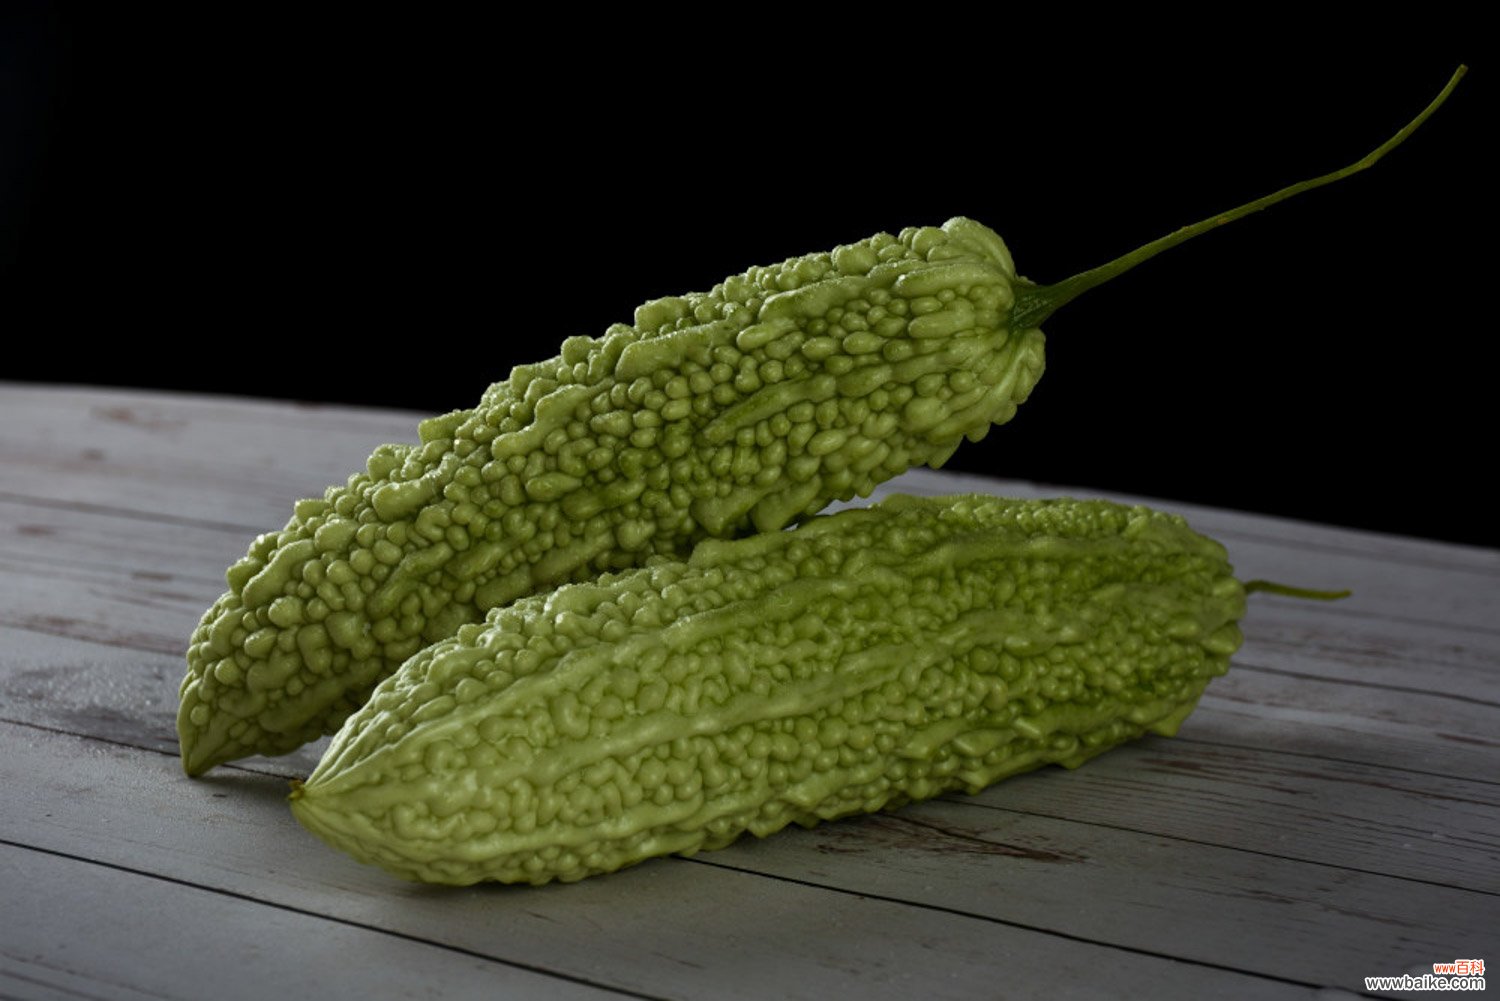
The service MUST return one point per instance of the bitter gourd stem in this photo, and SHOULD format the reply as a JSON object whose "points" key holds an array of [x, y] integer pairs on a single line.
{"points": [[1035, 304], [1287, 591]]}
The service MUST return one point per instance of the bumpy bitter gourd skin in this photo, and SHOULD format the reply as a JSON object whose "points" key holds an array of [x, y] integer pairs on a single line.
{"points": [[748, 406], [858, 662]]}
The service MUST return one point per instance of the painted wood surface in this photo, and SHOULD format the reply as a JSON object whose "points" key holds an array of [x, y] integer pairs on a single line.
{"points": [[1331, 811]]}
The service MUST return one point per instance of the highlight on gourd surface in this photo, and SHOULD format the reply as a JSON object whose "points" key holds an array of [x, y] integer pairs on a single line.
{"points": [[744, 408], [857, 662]]}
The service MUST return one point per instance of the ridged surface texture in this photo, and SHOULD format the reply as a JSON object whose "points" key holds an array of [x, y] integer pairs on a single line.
{"points": [[858, 662], [746, 407]]}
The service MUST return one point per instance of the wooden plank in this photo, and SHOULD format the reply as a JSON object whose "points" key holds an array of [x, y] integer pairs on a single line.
{"points": [[1427, 827], [1339, 643], [92, 687], [97, 931], [151, 615], [672, 927], [34, 535], [218, 461], [1419, 594], [1315, 718], [1248, 910]]}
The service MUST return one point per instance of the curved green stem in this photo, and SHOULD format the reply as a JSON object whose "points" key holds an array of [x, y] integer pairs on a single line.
{"points": [[1035, 304], [1271, 587]]}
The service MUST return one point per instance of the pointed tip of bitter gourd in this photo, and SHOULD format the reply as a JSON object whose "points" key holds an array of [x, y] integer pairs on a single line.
{"points": [[858, 662]]}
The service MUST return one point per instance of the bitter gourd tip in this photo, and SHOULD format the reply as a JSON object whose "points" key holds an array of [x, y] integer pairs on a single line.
{"points": [[204, 746]]}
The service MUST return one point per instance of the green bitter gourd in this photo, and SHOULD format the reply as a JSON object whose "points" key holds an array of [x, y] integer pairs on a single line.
{"points": [[746, 407], [860, 661]]}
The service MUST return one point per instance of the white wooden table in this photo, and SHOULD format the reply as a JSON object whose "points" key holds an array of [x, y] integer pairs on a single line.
{"points": [[1331, 812]]}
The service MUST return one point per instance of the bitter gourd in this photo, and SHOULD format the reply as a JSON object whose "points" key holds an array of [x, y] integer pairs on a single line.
{"points": [[746, 407], [751, 405], [857, 662]]}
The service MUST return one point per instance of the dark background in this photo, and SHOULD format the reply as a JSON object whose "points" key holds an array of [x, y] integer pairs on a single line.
{"points": [[393, 210]]}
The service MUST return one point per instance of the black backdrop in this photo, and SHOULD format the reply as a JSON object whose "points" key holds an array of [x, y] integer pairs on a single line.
{"points": [[393, 210]]}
